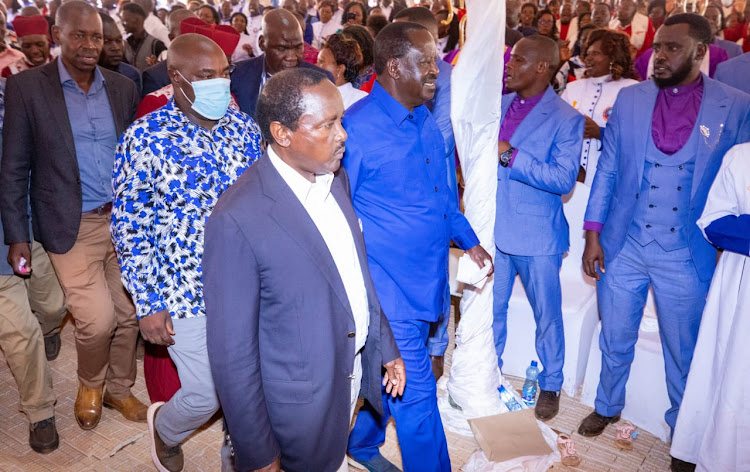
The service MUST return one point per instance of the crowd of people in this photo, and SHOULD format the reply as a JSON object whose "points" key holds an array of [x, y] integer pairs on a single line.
{"points": [[266, 196]]}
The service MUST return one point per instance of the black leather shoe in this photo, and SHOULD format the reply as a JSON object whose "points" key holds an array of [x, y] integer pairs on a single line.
{"points": [[547, 405], [437, 366], [52, 346], [43, 436], [594, 424], [678, 465]]}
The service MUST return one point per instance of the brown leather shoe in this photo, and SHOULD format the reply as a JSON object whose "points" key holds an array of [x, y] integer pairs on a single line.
{"points": [[166, 459], [130, 407], [437, 366], [594, 424], [547, 405], [88, 407]]}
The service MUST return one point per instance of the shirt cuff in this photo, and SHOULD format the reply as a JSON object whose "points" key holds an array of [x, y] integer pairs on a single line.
{"points": [[512, 158], [593, 226]]}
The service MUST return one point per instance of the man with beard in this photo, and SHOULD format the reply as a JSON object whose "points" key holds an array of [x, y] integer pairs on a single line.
{"points": [[646, 197], [113, 51], [398, 175]]}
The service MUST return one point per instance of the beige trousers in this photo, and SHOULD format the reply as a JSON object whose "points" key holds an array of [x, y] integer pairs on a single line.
{"points": [[104, 315], [21, 332]]}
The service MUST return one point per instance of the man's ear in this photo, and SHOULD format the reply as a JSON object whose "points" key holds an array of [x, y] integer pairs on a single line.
{"points": [[262, 43], [700, 52], [56, 34], [393, 68], [281, 134]]}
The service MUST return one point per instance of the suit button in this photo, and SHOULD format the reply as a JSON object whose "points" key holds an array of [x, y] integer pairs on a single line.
{"points": [[679, 189], [671, 229], [436, 189], [680, 167], [674, 209], [637, 196], [351, 335], [428, 160], [657, 165], [651, 206], [654, 187], [648, 226], [445, 217]]}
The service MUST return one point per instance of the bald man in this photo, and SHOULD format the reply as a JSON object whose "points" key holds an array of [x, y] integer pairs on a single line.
{"points": [[64, 164], [539, 149], [171, 167], [283, 48], [156, 76]]}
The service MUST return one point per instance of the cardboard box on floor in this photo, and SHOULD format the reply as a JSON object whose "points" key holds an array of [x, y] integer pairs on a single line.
{"points": [[509, 435]]}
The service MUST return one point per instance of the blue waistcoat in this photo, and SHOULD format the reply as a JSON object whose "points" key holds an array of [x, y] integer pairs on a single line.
{"points": [[662, 208]]}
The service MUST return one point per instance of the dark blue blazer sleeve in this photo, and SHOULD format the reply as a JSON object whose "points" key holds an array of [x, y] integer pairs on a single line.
{"points": [[731, 232]]}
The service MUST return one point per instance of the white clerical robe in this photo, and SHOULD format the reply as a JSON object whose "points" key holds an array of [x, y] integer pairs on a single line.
{"points": [[713, 427]]}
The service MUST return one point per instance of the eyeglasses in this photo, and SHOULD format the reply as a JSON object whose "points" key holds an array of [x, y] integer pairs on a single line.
{"points": [[545, 22]]}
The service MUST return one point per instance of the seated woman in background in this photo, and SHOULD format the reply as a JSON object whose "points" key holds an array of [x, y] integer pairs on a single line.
{"points": [[342, 57], [609, 68]]}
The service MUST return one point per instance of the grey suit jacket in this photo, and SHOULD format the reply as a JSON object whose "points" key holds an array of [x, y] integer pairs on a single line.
{"points": [[39, 155], [280, 331]]}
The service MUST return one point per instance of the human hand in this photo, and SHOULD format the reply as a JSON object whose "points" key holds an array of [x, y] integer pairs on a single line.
{"points": [[152, 60], [394, 379], [481, 257], [17, 252], [565, 52], [274, 466], [593, 254], [157, 328], [248, 49], [591, 130]]}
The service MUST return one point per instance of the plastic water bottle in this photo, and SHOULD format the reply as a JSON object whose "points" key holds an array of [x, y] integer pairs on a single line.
{"points": [[510, 401], [529, 387]]}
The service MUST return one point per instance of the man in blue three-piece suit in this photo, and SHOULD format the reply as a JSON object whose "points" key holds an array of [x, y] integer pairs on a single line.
{"points": [[539, 152], [664, 144]]}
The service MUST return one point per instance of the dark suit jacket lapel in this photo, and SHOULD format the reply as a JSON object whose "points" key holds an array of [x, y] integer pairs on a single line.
{"points": [[713, 113], [57, 107], [289, 213]]}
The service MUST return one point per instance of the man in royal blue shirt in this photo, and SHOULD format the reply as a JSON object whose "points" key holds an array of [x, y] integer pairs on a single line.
{"points": [[395, 158]]}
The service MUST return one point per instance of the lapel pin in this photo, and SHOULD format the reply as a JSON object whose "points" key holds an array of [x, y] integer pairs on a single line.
{"points": [[705, 131]]}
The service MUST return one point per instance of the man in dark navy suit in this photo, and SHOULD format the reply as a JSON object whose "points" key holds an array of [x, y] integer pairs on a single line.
{"points": [[282, 46]]}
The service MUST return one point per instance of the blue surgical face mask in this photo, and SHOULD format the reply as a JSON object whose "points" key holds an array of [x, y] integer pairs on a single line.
{"points": [[212, 97]]}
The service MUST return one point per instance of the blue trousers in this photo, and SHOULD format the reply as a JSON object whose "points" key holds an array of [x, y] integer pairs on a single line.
{"points": [[680, 296], [540, 276], [437, 343], [418, 425]]}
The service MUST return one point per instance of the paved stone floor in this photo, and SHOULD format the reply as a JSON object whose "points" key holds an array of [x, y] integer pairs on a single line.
{"points": [[119, 445]]}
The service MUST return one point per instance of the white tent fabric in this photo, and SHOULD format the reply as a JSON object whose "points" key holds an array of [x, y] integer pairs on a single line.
{"points": [[476, 97]]}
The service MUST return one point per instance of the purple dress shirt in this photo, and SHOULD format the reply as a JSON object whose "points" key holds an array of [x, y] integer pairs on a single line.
{"points": [[675, 113], [518, 111]]}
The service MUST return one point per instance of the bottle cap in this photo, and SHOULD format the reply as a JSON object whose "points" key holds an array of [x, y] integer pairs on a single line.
{"points": [[533, 363]]}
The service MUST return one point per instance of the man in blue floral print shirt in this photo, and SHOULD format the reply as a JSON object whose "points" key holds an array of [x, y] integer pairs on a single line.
{"points": [[171, 167]]}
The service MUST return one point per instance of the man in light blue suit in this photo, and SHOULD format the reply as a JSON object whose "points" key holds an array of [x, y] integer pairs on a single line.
{"points": [[539, 152], [735, 72], [664, 144]]}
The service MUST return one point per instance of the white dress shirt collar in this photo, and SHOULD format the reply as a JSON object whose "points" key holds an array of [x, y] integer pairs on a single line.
{"points": [[302, 188]]}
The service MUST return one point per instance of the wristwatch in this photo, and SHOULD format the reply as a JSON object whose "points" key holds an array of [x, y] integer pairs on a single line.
{"points": [[506, 156]]}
